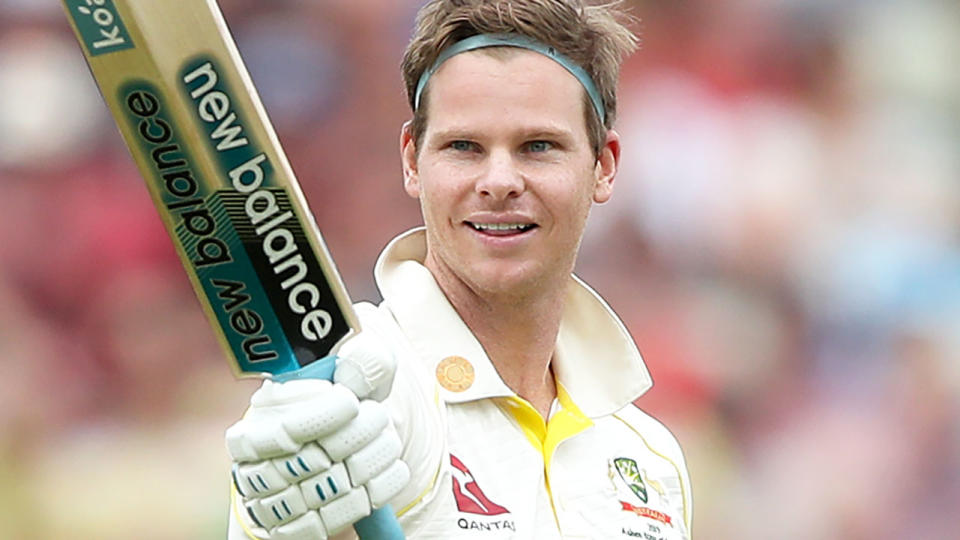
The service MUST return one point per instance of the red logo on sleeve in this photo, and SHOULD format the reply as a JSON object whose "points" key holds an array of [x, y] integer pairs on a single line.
{"points": [[470, 498]]}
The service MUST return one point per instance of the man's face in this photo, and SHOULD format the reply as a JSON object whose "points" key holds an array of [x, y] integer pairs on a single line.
{"points": [[505, 173]]}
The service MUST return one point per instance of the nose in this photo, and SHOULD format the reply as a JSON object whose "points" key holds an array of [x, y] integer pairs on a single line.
{"points": [[502, 179]]}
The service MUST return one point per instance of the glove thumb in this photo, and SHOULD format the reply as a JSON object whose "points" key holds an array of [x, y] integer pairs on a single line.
{"points": [[366, 366]]}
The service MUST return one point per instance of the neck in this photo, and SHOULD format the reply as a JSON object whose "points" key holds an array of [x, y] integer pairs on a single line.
{"points": [[518, 333]]}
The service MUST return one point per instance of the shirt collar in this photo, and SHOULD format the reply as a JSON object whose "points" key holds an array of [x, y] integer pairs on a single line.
{"points": [[596, 360]]}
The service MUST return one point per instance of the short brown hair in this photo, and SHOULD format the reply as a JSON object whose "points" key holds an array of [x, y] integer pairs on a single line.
{"points": [[593, 36]]}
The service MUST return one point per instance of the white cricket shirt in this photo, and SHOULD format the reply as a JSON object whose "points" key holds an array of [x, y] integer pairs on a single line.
{"points": [[484, 463]]}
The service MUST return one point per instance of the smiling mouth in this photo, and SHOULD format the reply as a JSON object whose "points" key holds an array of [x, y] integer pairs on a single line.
{"points": [[502, 228]]}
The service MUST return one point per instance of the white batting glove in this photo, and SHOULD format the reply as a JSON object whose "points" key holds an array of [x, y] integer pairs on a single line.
{"points": [[310, 458], [365, 366]]}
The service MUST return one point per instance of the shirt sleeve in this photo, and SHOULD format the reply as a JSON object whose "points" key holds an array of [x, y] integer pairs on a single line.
{"points": [[665, 441]]}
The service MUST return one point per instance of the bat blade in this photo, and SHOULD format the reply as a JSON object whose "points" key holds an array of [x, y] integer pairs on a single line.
{"points": [[191, 117], [188, 111]]}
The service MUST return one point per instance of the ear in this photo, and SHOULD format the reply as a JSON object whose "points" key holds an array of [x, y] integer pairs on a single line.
{"points": [[408, 156], [606, 168]]}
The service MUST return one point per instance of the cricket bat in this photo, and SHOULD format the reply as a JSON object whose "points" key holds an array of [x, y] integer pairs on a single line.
{"points": [[188, 111]]}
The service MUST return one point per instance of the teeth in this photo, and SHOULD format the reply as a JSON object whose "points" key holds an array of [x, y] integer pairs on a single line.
{"points": [[500, 226]]}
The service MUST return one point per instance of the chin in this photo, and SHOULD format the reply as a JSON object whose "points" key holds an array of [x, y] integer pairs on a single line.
{"points": [[506, 279]]}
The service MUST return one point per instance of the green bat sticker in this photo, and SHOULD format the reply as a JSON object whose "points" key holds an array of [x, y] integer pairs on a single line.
{"points": [[100, 26]]}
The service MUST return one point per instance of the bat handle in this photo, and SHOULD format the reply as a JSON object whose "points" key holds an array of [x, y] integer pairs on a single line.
{"points": [[319, 369], [381, 524]]}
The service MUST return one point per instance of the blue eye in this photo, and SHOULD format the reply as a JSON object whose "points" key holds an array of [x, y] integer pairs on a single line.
{"points": [[539, 146], [462, 146]]}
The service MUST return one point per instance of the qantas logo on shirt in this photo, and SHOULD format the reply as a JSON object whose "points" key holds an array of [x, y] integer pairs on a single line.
{"points": [[470, 498]]}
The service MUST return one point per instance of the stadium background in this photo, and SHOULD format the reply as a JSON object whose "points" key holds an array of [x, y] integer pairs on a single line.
{"points": [[782, 243]]}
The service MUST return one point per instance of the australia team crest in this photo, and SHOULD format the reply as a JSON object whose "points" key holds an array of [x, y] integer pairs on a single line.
{"points": [[647, 499]]}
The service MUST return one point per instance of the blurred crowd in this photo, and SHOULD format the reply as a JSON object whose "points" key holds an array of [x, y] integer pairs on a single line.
{"points": [[783, 243]]}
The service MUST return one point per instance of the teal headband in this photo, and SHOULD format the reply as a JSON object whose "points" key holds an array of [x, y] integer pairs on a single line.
{"points": [[481, 41]]}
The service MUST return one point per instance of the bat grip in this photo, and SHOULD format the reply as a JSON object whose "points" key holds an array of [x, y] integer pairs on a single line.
{"points": [[381, 524], [319, 369]]}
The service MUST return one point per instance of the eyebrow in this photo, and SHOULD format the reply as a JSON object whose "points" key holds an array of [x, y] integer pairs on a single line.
{"points": [[548, 133], [453, 133], [533, 133]]}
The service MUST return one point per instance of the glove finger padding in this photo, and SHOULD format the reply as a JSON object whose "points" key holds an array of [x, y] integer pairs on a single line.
{"points": [[386, 485], [369, 422], [307, 462], [309, 420], [327, 486], [258, 479], [346, 510], [375, 457], [254, 439], [278, 508], [284, 416], [306, 527]]}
